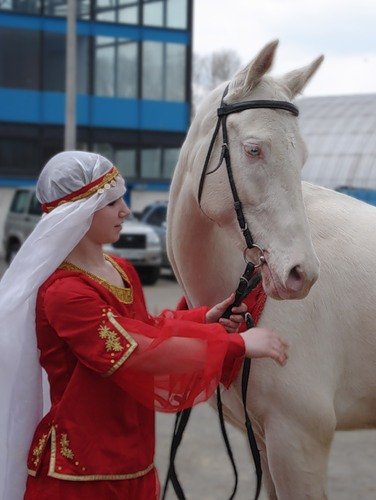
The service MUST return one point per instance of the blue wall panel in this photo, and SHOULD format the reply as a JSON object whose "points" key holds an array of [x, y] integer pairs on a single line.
{"points": [[160, 115], [27, 106], [114, 113], [19, 106]]}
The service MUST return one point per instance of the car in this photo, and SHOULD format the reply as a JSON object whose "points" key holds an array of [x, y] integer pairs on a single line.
{"points": [[155, 215], [23, 215], [139, 243]]}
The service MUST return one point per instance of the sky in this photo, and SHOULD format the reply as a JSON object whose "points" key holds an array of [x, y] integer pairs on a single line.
{"points": [[344, 31]]}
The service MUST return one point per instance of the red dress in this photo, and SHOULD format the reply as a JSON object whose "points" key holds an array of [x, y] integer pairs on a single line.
{"points": [[110, 365]]}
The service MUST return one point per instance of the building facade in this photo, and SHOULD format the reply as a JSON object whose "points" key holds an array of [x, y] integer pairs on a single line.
{"points": [[133, 87]]}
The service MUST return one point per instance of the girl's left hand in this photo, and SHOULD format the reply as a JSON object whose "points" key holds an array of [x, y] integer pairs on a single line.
{"points": [[233, 322]]}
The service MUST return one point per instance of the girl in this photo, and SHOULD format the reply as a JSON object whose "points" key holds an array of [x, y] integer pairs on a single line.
{"points": [[109, 363]]}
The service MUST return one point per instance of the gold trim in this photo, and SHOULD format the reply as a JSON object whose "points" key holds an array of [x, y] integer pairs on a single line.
{"points": [[106, 180], [31, 472], [93, 477], [51, 467], [131, 341], [98, 187], [97, 477], [123, 294]]}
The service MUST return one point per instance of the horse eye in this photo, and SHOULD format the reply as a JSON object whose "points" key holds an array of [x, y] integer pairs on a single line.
{"points": [[252, 150]]}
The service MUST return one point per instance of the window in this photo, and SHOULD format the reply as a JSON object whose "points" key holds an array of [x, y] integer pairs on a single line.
{"points": [[24, 6], [123, 159], [153, 13], [152, 71], [116, 67], [177, 14], [58, 8], [164, 71], [175, 72], [170, 159], [151, 163], [117, 11], [165, 13], [19, 58], [18, 156], [54, 51], [20, 201]]}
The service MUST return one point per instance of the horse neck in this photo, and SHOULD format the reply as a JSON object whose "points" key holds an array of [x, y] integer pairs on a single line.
{"points": [[207, 261]]}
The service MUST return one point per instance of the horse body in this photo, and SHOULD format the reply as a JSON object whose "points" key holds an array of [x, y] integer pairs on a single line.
{"points": [[329, 381]]}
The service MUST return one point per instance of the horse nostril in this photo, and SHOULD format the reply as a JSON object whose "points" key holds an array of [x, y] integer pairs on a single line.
{"points": [[296, 279]]}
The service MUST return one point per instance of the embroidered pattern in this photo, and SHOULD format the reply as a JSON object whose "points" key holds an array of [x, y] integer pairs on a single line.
{"points": [[38, 450], [112, 339], [124, 295], [65, 450], [130, 345]]}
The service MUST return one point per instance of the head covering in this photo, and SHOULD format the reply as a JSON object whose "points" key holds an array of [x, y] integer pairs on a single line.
{"points": [[72, 186]]}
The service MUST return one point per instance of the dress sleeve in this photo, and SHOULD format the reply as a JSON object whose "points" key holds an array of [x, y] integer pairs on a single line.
{"points": [[169, 364]]}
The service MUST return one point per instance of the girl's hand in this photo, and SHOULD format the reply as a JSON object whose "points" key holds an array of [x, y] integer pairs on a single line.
{"points": [[264, 343], [233, 322]]}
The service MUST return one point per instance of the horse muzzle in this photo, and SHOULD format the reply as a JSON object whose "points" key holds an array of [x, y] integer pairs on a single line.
{"points": [[296, 283]]}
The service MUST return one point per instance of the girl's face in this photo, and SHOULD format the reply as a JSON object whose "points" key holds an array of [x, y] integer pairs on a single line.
{"points": [[106, 224]]}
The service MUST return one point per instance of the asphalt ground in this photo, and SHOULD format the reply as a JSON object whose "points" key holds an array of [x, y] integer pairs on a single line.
{"points": [[202, 463]]}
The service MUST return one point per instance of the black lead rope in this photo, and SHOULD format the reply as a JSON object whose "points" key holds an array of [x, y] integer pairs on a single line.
{"points": [[246, 284]]}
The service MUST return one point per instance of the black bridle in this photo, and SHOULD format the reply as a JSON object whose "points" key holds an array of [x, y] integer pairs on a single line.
{"points": [[247, 283]]}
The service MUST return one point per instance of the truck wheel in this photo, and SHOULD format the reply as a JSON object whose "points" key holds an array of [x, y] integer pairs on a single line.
{"points": [[12, 250], [149, 275]]}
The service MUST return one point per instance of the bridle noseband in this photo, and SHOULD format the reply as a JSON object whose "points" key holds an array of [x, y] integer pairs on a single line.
{"points": [[247, 283]]}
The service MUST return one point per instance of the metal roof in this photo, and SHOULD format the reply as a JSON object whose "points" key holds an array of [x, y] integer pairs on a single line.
{"points": [[340, 133]]}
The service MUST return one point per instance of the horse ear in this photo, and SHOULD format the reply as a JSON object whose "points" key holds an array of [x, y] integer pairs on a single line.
{"points": [[296, 80], [247, 79]]}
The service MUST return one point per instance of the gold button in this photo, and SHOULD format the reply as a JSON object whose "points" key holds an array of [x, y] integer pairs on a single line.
{"points": [[126, 345], [112, 361], [59, 468], [83, 468], [112, 354], [76, 463]]}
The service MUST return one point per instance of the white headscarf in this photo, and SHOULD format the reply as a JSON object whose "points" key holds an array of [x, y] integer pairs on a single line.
{"points": [[54, 237]]}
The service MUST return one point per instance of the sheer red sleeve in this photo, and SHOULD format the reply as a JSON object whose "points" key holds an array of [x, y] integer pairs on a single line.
{"points": [[169, 364]]}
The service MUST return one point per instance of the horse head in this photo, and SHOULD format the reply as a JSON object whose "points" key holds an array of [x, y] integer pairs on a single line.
{"points": [[267, 154]]}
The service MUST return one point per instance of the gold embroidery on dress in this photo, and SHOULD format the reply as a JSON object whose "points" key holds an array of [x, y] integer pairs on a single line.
{"points": [[131, 344], [38, 450], [91, 477], [111, 338], [65, 450], [124, 295]]}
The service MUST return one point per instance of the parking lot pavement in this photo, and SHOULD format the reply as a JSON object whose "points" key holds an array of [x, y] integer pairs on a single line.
{"points": [[202, 464]]}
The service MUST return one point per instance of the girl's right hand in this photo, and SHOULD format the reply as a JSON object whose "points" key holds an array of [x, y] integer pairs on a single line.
{"points": [[264, 343]]}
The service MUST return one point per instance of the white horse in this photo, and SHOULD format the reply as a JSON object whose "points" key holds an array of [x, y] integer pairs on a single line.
{"points": [[329, 381]]}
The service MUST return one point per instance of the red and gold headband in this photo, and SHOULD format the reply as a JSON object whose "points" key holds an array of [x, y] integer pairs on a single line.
{"points": [[106, 181]]}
